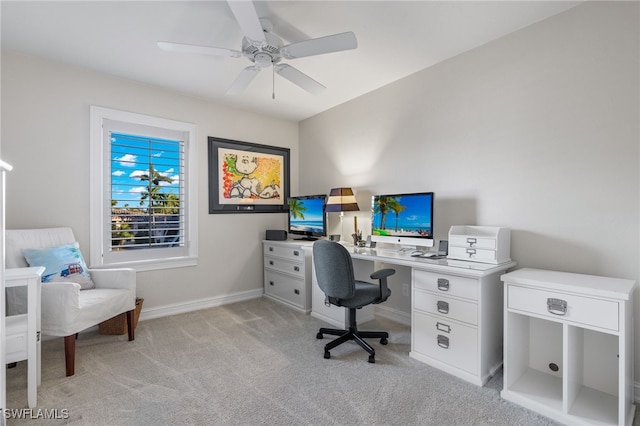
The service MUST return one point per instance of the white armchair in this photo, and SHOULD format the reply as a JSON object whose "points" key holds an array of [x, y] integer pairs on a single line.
{"points": [[65, 309]]}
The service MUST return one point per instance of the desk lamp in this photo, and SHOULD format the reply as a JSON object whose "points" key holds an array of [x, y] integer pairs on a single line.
{"points": [[342, 200]]}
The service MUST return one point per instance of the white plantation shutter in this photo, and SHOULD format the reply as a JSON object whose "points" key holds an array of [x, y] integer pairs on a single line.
{"points": [[146, 207]]}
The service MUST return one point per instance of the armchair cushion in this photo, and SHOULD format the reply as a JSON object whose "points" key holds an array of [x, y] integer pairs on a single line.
{"points": [[62, 264]]}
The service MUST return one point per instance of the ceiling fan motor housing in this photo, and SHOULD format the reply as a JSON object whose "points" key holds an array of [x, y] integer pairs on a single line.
{"points": [[263, 54]]}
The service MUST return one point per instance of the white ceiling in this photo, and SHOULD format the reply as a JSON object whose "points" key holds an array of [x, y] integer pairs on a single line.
{"points": [[395, 39]]}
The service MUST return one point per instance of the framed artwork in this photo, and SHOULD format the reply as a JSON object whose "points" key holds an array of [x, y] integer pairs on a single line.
{"points": [[245, 177]]}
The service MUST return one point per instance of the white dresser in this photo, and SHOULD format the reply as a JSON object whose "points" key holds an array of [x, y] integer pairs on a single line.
{"points": [[287, 273], [569, 346]]}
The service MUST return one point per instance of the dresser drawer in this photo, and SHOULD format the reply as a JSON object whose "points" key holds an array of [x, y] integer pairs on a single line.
{"points": [[447, 307], [449, 342], [292, 253], [285, 287], [290, 267], [450, 285], [564, 307]]}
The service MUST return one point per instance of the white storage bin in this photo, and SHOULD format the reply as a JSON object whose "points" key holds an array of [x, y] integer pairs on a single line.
{"points": [[486, 244]]}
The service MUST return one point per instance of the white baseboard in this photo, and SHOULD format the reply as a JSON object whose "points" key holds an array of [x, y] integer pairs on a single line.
{"points": [[196, 305], [393, 314]]}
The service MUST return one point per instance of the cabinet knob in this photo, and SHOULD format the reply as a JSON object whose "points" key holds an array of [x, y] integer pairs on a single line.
{"points": [[296, 291], [296, 268], [271, 262], [443, 307], [270, 248], [296, 253], [271, 283], [443, 284], [443, 341]]}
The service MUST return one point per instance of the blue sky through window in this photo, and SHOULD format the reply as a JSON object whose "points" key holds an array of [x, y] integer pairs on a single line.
{"points": [[132, 158]]}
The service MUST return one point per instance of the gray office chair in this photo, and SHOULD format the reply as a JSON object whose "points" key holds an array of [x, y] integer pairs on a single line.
{"points": [[334, 272]]}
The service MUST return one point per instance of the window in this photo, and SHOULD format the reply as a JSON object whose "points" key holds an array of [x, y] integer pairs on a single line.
{"points": [[143, 191]]}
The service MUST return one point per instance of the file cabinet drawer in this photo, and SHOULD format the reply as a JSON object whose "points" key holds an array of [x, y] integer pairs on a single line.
{"points": [[447, 307], [472, 242], [447, 341], [564, 307], [290, 267], [450, 285], [285, 287]]}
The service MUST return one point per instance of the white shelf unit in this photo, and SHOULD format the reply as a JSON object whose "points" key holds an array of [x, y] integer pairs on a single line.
{"points": [[22, 338], [287, 273], [569, 346]]}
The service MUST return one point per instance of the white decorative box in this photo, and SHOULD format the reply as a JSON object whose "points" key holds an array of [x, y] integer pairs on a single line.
{"points": [[485, 244]]}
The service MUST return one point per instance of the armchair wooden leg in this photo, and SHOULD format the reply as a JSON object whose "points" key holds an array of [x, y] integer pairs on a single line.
{"points": [[70, 354], [130, 328]]}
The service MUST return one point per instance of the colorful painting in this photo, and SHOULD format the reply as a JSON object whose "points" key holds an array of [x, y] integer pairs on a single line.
{"points": [[247, 177]]}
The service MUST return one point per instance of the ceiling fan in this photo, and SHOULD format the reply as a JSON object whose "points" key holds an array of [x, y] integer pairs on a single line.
{"points": [[264, 49]]}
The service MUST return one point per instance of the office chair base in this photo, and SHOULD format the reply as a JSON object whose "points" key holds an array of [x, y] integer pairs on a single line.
{"points": [[356, 336]]}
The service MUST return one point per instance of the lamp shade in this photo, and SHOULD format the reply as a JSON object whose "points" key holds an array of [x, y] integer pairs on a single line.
{"points": [[342, 200]]}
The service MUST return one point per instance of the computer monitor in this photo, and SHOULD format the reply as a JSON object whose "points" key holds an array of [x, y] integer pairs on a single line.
{"points": [[403, 219], [307, 216]]}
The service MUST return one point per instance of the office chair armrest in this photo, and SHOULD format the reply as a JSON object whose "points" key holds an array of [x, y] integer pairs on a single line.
{"points": [[382, 275]]}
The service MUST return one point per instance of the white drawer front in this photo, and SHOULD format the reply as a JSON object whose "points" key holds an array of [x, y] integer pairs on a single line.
{"points": [[439, 304], [564, 307], [290, 267], [472, 242], [447, 341], [449, 285], [284, 287], [293, 253], [477, 254], [16, 347]]}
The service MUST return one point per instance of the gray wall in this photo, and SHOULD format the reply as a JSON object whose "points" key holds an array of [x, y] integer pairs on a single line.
{"points": [[45, 136], [537, 131]]}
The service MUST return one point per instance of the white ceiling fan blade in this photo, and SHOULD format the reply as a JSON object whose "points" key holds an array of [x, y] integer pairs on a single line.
{"points": [[247, 17], [321, 45], [299, 78], [242, 81], [200, 50]]}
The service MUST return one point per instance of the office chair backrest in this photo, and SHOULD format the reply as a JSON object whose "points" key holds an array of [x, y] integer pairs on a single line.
{"points": [[334, 269]]}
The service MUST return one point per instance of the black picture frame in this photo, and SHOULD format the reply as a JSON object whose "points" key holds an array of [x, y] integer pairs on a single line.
{"points": [[261, 186]]}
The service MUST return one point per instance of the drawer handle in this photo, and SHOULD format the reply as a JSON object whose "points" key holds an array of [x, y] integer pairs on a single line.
{"points": [[443, 307], [443, 284], [271, 262], [556, 306], [270, 248], [443, 341], [296, 291], [271, 283], [296, 253], [443, 327], [471, 252], [296, 268], [471, 241]]}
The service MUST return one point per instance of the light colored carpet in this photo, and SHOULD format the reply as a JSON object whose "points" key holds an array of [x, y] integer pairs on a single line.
{"points": [[253, 363]]}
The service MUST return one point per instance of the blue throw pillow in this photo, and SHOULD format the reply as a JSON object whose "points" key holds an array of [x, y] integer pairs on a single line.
{"points": [[62, 264]]}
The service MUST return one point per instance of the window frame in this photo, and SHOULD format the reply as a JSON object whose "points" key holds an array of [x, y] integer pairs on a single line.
{"points": [[100, 178]]}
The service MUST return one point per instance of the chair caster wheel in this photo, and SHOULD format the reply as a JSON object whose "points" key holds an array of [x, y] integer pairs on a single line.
{"points": [[372, 359], [319, 336], [327, 355], [383, 341]]}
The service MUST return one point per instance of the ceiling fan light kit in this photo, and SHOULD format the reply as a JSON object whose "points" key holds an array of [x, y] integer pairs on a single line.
{"points": [[264, 49]]}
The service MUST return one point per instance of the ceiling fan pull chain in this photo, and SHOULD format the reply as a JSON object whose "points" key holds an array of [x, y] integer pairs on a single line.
{"points": [[273, 83]]}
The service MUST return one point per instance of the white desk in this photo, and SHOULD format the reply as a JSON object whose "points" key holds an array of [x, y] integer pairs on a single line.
{"points": [[456, 310]]}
